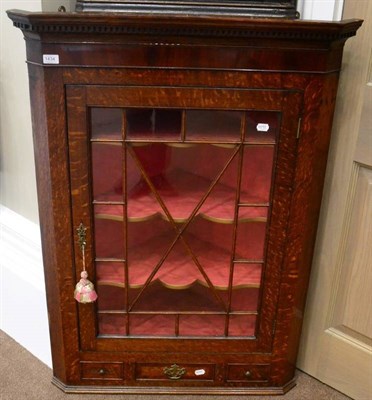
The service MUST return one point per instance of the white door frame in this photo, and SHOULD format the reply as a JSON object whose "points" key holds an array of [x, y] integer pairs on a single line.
{"points": [[322, 10]]}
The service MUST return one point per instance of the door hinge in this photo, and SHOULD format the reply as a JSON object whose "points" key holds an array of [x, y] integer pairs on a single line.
{"points": [[299, 128]]}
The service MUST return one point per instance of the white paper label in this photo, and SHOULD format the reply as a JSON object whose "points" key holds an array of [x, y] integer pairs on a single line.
{"points": [[262, 127], [199, 372], [50, 58]]}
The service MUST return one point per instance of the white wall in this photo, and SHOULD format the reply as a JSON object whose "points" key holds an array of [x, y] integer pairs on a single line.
{"points": [[23, 313], [53, 5], [17, 171]]}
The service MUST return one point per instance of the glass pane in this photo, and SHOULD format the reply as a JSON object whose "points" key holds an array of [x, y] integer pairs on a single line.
{"points": [[148, 241], [242, 325], [212, 242], [219, 206], [148, 163], [213, 125], [150, 325], [202, 325], [109, 231], [250, 240], [181, 175], [112, 324], [178, 274], [106, 123], [110, 297], [246, 283], [110, 285], [245, 299], [262, 126], [172, 180], [177, 285], [257, 174], [107, 171], [153, 124]]}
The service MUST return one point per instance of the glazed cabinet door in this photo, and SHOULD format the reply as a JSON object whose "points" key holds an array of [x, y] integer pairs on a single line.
{"points": [[185, 196]]}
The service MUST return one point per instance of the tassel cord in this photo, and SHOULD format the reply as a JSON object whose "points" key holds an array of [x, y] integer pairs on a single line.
{"points": [[83, 255]]}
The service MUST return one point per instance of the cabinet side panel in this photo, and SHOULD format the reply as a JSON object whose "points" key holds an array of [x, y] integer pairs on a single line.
{"points": [[48, 121], [314, 137]]}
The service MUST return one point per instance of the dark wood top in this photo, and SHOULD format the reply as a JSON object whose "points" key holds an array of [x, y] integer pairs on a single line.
{"points": [[183, 25]]}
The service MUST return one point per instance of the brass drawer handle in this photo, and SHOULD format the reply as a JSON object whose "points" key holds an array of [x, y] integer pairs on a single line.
{"points": [[102, 371], [248, 374], [174, 371]]}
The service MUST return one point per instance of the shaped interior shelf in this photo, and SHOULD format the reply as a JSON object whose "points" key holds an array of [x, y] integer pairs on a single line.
{"points": [[182, 177], [158, 298], [177, 276], [193, 311], [220, 208], [209, 243], [169, 325]]}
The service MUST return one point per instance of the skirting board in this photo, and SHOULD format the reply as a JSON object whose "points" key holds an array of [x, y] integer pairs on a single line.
{"points": [[23, 311]]}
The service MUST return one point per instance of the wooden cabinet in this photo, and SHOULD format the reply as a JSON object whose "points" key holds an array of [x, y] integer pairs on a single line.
{"points": [[191, 151]]}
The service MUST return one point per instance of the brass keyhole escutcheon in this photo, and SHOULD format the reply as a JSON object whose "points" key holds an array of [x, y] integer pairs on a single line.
{"points": [[174, 371]]}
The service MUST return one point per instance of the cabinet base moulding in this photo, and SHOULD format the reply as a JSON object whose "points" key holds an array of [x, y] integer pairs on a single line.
{"points": [[227, 391]]}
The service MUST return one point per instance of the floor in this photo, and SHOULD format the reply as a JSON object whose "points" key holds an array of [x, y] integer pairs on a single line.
{"points": [[24, 377]]}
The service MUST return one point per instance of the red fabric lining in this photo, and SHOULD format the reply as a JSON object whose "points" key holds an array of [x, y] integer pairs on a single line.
{"points": [[177, 169], [189, 325], [158, 298], [181, 176], [113, 298], [179, 270]]}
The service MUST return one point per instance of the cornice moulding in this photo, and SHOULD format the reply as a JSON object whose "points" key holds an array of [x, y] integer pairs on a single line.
{"points": [[182, 25]]}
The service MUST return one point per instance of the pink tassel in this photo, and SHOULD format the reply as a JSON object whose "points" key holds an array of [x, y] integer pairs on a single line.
{"points": [[84, 290]]}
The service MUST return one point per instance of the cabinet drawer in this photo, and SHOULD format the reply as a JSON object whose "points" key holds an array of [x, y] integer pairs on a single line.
{"points": [[102, 371], [247, 372], [174, 372]]}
